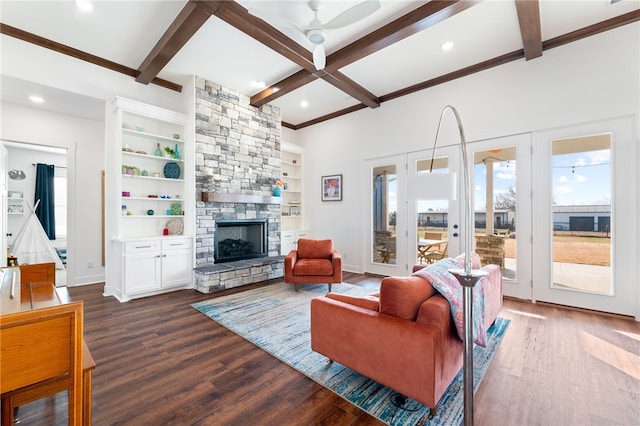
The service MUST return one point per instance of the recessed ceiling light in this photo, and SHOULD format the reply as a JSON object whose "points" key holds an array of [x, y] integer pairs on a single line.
{"points": [[36, 99], [84, 5], [259, 84], [447, 45], [304, 104]]}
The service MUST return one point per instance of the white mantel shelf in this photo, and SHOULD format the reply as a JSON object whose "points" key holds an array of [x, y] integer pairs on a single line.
{"points": [[215, 197]]}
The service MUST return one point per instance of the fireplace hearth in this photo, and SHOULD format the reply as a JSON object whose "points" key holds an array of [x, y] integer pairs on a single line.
{"points": [[238, 239]]}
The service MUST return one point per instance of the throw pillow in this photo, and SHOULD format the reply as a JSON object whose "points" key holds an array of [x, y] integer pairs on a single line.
{"points": [[448, 285], [403, 296]]}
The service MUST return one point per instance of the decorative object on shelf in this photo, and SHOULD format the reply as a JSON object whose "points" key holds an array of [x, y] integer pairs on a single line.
{"points": [[150, 212], [152, 196], [165, 231], [175, 227], [170, 152], [166, 197], [158, 151], [171, 170], [286, 186], [169, 212], [176, 152], [140, 129], [145, 173], [126, 194], [124, 210], [16, 195], [331, 188], [294, 211], [130, 170], [277, 190], [15, 209], [176, 135], [285, 174], [294, 161], [176, 209], [156, 174]]}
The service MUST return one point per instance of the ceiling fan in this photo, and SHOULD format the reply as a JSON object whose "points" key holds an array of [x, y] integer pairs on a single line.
{"points": [[314, 31]]}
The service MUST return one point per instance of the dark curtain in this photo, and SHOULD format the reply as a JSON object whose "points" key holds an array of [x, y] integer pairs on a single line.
{"points": [[45, 193]]}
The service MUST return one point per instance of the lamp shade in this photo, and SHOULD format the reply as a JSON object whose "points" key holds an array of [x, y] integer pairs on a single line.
{"points": [[433, 186]]}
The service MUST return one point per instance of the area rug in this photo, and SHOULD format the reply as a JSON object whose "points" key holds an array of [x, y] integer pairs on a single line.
{"points": [[277, 319]]}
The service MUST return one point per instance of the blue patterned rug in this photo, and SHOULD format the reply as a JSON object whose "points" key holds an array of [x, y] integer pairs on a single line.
{"points": [[277, 319]]}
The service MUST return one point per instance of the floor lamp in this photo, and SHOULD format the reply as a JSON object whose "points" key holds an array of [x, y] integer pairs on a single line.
{"points": [[445, 184]]}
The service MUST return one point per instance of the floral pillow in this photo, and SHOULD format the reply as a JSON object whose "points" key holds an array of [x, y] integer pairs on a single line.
{"points": [[447, 284]]}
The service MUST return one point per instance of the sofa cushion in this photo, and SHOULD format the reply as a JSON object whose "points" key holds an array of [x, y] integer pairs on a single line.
{"points": [[313, 267], [315, 249], [402, 296]]}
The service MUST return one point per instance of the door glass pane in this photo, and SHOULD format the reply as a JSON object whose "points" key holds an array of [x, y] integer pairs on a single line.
{"points": [[384, 210], [582, 214], [495, 208], [432, 218]]}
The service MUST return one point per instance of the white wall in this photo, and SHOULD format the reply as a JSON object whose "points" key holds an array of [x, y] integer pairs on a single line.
{"points": [[585, 81], [84, 141]]}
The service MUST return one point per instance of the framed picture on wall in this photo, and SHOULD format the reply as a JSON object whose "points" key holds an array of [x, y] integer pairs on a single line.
{"points": [[331, 188]]}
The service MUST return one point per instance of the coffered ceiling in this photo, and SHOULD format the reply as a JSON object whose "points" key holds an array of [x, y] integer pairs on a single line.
{"points": [[393, 52]]}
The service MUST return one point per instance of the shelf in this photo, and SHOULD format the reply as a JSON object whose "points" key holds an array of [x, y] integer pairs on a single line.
{"points": [[151, 216], [151, 156], [289, 163], [151, 178], [151, 135], [153, 199]]}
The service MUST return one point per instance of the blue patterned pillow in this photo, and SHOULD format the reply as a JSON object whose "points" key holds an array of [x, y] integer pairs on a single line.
{"points": [[449, 287]]}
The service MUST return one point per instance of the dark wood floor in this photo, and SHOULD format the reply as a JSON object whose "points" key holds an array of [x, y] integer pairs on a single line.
{"points": [[160, 362]]}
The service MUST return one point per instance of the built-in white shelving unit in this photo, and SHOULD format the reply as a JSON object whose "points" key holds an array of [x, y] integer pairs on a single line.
{"points": [[149, 186], [292, 198]]}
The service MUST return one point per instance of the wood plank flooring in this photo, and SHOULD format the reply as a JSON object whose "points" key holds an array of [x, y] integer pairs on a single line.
{"points": [[160, 362]]}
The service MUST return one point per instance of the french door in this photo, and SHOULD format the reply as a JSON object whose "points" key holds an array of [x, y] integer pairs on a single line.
{"points": [[585, 224], [502, 207]]}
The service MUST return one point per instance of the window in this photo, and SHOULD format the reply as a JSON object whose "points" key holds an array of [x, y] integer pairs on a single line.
{"points": [[60, 188]]}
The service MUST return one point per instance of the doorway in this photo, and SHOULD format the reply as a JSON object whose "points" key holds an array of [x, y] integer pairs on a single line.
{"points": [[22, 159]]}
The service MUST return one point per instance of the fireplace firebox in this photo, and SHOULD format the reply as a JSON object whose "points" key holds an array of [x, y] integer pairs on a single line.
{"points": [[239, 239]]}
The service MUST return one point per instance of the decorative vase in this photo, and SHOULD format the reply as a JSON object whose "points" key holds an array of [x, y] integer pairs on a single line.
{"points": [[158, 151], [277, 191], [176, 153]]}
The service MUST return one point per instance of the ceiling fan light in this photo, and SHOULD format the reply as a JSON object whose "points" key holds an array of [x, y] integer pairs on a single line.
{"points": [[316, 36]]}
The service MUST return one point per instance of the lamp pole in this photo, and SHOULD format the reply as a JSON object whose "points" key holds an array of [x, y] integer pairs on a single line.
{"points": [[467, 277]]}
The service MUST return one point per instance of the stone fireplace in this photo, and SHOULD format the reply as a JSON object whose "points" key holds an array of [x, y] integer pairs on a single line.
{"points": [[238, 161]]}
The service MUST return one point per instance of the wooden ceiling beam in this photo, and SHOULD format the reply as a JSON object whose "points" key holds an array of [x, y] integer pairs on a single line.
{"points": [[79, 54], [530, 28], [186, 24]]}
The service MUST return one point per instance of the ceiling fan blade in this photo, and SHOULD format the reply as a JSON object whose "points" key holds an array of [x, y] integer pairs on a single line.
{"points": [[275, 19], [319, 57], [353, 14]]}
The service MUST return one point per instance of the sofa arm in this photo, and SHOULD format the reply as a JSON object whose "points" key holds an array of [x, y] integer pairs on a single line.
{"points": [[289, 261], [492, 285], [336, 261], [367, 302]]}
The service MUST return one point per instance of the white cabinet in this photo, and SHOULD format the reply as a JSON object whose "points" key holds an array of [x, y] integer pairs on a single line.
{"points": [[154, 266], [150, 200], [289, 240]]}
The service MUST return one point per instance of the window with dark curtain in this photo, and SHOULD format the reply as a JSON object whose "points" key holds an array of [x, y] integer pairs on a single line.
{"points": [[46, 194]]}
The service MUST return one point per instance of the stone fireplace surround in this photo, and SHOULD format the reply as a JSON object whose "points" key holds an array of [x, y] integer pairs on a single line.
{"points": [[237, 162]]}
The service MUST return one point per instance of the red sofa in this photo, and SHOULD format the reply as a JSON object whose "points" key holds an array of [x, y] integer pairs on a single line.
{"points": [[402, 337]]}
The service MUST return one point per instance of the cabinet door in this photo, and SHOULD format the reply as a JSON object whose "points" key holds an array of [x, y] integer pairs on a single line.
{"points": [[141, 272], [177, 268]]}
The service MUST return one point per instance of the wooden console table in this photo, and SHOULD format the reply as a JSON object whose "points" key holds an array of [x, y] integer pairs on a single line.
{"points": [[30, 368]]}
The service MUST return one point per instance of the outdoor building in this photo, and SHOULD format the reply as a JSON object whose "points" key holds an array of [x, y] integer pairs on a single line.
{"points": [[592, 218]]}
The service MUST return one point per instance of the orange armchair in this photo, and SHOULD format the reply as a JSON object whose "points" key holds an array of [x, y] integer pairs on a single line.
{"points": [[315, 261]]}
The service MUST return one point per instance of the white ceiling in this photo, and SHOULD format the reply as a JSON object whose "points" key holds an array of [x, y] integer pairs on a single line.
{"points": [[126, 31]]}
